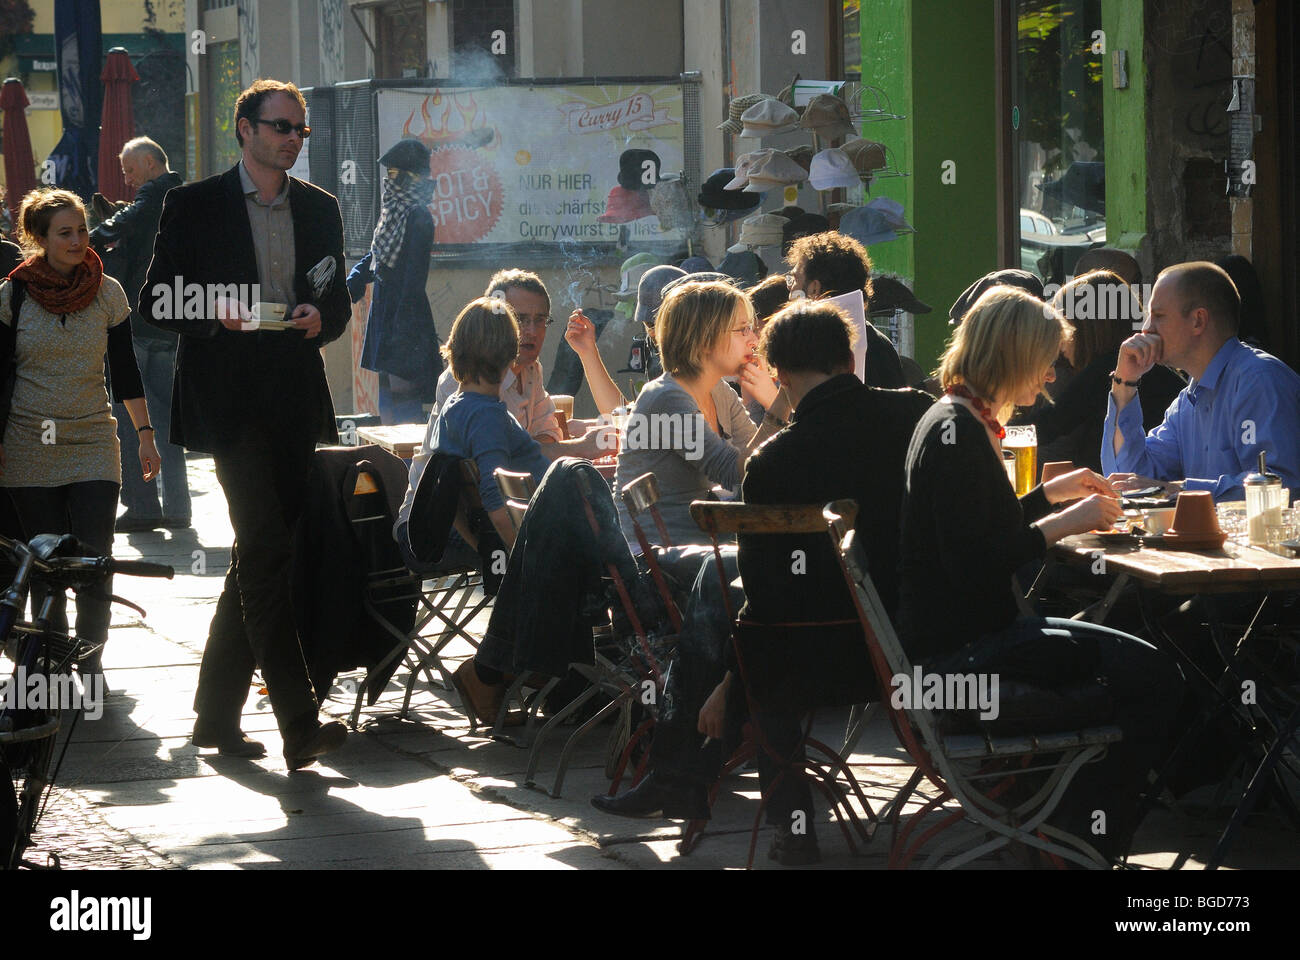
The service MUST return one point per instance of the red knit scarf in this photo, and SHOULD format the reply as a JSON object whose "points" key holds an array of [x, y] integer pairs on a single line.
{"points": [[59, 294], [982, 408]]}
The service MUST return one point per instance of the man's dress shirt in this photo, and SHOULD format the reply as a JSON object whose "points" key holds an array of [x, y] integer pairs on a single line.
{"points": [[1246, 400]]}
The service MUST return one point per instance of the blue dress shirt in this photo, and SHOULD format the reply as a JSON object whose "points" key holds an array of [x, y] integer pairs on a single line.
{"points": [[1246, 400]]}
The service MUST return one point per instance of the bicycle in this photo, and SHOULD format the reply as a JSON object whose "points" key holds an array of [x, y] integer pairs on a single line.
{"points": [[28, 733]]}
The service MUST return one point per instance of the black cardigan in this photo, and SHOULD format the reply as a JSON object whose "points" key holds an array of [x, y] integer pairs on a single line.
{"points": [[964, 535]]}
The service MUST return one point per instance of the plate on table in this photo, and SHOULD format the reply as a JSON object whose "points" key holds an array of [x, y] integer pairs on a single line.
{"points": [[1209, 541], [1114, 535]]}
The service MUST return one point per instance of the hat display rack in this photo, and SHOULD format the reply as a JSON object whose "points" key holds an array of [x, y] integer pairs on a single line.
{"points": [[855, 95]]}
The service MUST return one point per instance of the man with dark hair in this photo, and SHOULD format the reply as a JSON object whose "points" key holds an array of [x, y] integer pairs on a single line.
{"points": [[845, 441], [1240, 400], [255, 398], [829, 264], [131, 232]]}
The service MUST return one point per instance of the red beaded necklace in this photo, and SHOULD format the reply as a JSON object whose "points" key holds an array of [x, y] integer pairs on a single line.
{"points": [[982, 408]]}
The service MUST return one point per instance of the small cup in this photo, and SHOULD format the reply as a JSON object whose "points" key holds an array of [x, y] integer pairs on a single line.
{"points": [[1157, 521], [1194, 515], [1055, 469]]}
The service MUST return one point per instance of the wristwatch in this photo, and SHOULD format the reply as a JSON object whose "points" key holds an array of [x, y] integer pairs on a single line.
{"points": [[1116, 378]]}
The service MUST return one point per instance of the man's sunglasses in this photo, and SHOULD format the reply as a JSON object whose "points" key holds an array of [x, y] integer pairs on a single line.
{"points": [[284, 127]]}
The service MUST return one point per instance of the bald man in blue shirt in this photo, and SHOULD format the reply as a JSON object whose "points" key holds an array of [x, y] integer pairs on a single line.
{"points": [[1240, 400]]}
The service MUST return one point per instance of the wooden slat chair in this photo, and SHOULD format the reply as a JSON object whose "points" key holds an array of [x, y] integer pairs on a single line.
{"points": [[447, 601], [823, 767], [619, 679], [974, 769], [517, 489]]}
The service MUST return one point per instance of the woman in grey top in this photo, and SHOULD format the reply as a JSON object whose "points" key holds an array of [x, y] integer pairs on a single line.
{"points": [[688, 427], [59, 456]]}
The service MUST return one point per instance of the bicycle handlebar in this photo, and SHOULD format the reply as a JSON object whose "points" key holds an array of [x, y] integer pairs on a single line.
{"points": [[141, 568], [82, 570]]}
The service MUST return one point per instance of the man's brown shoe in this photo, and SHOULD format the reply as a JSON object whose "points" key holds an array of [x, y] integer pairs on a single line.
{"points": [[301, 750], [480, 700]]}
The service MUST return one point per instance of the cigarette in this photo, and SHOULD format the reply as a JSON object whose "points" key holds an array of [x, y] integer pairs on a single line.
{"points": [[707, 741]]}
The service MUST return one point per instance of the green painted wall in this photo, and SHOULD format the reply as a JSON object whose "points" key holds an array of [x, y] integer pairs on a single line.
{"points": [[954, 118], [1125, 127], [886, 32], [935, 59]]}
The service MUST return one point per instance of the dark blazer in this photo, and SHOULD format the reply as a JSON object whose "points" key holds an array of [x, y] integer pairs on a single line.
{"points": [[228, 382], [133, 229], [400, 336], [847, 441]]}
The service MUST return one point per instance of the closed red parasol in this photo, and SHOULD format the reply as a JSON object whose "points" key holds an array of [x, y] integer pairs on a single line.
{"points": [[20, 168], [117, 123]]}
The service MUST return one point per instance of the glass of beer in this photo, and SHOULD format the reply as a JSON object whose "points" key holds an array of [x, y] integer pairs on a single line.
{"points": [[564, 404], [1022, 442]]}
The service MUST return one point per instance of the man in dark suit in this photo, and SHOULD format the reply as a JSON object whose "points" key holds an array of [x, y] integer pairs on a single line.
{"points": [[256, 399]]}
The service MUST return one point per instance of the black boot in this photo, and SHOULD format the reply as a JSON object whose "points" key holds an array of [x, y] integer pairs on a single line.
{"points": [[654, 798]]}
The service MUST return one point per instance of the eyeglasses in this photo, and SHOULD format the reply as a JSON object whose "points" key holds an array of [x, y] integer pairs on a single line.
{"points": [[536, 319], [746, 331], [284, 127]]}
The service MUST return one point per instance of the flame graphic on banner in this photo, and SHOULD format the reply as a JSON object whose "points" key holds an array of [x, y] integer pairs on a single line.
{"points": [[456, 122]]}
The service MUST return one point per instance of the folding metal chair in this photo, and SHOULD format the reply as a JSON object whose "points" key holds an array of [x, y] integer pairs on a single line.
{"points": [[977, 770], [822, 767], [447, 600]]}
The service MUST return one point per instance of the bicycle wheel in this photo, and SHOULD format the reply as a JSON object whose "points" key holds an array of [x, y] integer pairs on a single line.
{"points": [[32, 795]]}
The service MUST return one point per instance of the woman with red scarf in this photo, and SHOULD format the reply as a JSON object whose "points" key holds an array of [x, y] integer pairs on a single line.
{"points": [[59, 456], [965, 533]]}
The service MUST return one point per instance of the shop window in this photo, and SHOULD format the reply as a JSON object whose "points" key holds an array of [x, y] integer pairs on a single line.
{"points": [[1059, 160]]}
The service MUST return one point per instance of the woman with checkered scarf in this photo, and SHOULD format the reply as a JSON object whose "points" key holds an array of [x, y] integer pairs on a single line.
{"points": [[401, 343]]}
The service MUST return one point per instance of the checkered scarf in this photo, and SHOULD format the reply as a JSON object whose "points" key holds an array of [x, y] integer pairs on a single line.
{"points": [[401, 195]]}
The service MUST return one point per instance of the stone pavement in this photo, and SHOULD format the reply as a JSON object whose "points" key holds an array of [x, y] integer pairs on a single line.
{"points": [[134, 793]]}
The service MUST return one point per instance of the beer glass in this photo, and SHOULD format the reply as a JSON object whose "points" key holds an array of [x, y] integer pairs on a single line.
{"points": [[1022, 442]]}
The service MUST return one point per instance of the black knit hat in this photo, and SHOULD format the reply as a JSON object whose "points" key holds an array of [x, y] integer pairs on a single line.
{"points": [[408, 154]]}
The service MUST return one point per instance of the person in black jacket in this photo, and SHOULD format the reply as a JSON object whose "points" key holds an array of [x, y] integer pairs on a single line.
{"points": [[830, 264], [401, 343], [130, 233], [822, 456], [256, 399], [965, 533], [1103, 310]]}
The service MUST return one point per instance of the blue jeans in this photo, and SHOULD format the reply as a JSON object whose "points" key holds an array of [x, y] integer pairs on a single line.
{"points": [[156, 359]]}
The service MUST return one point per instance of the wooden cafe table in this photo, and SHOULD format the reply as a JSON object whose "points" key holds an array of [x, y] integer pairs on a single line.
{"points": [[402, 440], [1236, 568]]}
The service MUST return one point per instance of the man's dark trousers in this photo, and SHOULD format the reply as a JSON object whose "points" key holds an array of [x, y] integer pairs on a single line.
{"points": [[264, 477]]}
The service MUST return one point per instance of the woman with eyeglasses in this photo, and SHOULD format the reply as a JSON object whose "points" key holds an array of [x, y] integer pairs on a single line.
{"points": [[687, 426], [401, 343]]}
